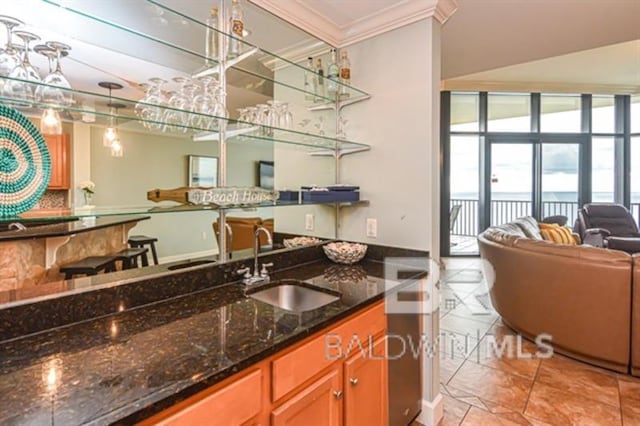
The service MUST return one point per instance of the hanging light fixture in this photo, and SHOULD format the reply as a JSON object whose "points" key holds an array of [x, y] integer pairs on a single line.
{"points": [[50, 122], [111, 138], [111, 132]]}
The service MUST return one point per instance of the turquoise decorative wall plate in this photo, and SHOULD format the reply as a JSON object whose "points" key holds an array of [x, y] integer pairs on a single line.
{"points": [[25, 164]]}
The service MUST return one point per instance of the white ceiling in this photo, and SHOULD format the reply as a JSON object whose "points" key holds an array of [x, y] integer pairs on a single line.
{"points": [[499, 34], [609, 69]]}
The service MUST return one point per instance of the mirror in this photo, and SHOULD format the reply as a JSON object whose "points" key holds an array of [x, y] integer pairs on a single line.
{"points": [[156, 158]]}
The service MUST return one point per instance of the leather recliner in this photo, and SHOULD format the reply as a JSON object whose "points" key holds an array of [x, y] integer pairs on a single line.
{"points": [[609, 226]]}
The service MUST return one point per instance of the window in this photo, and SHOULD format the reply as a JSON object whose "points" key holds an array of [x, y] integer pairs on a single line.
{"points": [[465, 109], [509, 112], [560, 113], [603, 169], [603, 114]]}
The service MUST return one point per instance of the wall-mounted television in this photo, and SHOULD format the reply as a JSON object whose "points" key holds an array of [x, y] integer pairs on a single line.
{"points": [[265, 174]]}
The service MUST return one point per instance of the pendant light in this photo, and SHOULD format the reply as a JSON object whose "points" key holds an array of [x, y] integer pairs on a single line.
{"points": [[50, 122], [111, 132]]}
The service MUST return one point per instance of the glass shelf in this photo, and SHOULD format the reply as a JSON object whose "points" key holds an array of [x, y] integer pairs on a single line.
{"points": [[172, 39], [93, 108], [80, 212]]}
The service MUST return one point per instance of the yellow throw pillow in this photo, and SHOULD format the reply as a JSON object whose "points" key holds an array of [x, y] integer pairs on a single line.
{"points": [[557, 234]]}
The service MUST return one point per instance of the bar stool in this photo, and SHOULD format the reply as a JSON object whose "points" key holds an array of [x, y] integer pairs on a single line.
{"points": [[129, 257], [138, 241], [89, 266]]}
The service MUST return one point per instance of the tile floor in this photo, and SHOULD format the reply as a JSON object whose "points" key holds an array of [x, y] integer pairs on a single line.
{"points": [[480, 388]]}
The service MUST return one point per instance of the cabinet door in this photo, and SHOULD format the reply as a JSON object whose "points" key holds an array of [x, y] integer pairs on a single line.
{"points": [[59, 151], [318, 404], [234, 404], [365, 384]]}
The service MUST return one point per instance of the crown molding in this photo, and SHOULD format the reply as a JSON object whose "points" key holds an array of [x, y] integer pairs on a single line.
{"points": [[538, 86], [402, 13], [302, 17], [296, 53]]}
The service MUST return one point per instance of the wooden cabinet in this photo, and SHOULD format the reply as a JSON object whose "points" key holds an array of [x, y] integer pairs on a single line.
{"points": [[318, 404], [60, 161], [338, 376], [365, 386], [234, 404]]}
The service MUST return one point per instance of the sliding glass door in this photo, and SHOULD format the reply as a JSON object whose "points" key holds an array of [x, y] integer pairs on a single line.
{"points": [[536, 177]]}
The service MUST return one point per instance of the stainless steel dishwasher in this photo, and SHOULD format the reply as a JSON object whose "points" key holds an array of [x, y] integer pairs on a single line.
{"points": [[405, 390]]}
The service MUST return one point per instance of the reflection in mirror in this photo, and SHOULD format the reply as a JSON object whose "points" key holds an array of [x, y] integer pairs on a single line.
{"points": [[156, 158]]}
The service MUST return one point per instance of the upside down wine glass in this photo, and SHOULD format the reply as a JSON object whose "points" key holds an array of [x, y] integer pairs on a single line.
{"points": [[9, 56], [24, 73], [57, 78]]}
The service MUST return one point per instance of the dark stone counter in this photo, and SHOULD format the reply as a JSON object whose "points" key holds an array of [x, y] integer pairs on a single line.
{"points": [[63, 226], [125, 366]]}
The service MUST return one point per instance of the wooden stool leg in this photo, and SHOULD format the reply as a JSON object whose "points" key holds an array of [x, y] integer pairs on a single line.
{"points": [[145, 259], [154, 254], [68, 275]]}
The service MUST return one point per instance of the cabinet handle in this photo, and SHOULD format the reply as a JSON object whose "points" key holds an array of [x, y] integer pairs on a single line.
{"points": [[353, 381], [337, 394]]}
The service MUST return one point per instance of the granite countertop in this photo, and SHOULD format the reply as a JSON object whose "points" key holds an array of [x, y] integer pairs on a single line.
{"points": [[68, 227], [127, 366]]}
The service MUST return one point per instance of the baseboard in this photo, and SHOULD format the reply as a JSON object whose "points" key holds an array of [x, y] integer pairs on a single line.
{"points": [[432, 411], [187, 256]]}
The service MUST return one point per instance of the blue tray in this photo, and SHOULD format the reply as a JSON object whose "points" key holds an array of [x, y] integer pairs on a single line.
{"points": [[329, 196]]}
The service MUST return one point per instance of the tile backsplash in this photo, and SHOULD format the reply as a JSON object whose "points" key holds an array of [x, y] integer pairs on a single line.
{"points": [[53, 200]]}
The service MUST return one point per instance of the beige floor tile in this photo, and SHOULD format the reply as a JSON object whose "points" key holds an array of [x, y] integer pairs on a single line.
{"points": [[568, 375], [460, 325], [478, 417], [454, 411], [448, 367], [559, 407], [475, 311], [456, 344], [508, 354], [504, 389]]}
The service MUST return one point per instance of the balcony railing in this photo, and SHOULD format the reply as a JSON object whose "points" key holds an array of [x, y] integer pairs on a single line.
{"points": [[503, 211]]}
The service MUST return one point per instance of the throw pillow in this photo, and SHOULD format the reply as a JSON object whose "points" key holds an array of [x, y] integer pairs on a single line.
{"points": [[557, 234]]}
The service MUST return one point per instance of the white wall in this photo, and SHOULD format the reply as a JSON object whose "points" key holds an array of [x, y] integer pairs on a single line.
{"points": [[159, 161], [399, 175], [295, 167]]}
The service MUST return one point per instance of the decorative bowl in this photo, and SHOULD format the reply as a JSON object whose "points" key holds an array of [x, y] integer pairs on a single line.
{"points": [[300, 242], [345, 253]]}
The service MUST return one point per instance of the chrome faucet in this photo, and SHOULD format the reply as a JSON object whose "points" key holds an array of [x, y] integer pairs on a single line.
{"points": [[17, 225], [261, 275], [256, 246]]}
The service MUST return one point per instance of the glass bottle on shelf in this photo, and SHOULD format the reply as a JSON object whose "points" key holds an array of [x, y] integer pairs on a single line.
{"points": [[211, 35], [333, 75], [237, 28], [309, 81], [320, 90], [345, 73]]}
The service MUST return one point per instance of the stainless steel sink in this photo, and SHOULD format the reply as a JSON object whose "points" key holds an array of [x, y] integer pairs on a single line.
{"points": [[295, 296]]}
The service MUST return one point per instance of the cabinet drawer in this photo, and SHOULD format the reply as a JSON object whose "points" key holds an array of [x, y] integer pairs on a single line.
{"points": [[294, 368], [234, 404]]}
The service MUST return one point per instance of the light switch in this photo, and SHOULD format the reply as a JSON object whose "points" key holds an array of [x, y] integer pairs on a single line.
{"points": [[309, 222], [372, 228]]}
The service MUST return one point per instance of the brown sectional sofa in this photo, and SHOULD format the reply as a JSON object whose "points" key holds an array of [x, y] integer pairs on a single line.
{"points": [[586, 298]]}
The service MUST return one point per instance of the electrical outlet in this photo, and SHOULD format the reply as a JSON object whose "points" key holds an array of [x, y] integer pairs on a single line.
{"points": [[372, 228], [309, 222], [204, 235]]}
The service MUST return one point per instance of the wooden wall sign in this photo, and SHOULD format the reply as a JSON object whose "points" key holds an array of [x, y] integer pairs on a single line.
{"points": [[218, 196]]}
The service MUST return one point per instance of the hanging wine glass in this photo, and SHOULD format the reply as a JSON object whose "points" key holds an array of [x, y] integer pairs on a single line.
{"points": [[286, 118], [153, 114], [48, 94], [56, 78], [23, 73], [9, 56]]}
